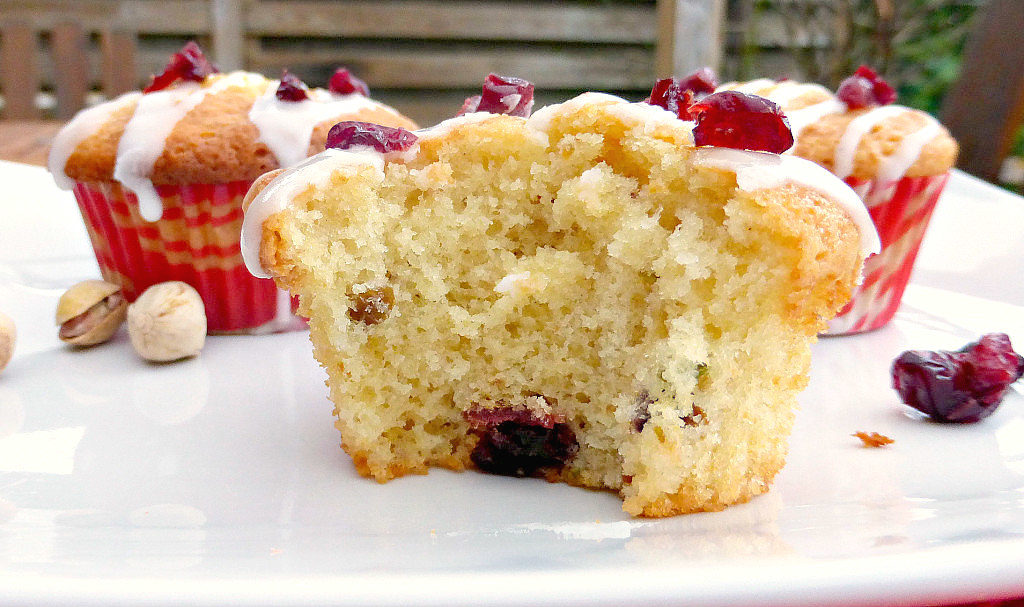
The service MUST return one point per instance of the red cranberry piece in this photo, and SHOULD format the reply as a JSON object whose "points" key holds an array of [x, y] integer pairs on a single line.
{"points": [[678, 94], [515, 441], [291, 88], [963, 386], [344, 83], [641, 411], [469, 105], [730, 119], [502, 95], [187, 64], [381, 138], [865, 89]]}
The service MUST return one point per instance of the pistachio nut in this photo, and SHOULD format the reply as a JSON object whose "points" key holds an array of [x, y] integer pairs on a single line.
{"points": [[167, 322], [90, 312], [8, 335]]}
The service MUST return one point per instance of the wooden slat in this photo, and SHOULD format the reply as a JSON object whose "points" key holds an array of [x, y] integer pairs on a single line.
{"points": [[228, 34], [689, 36], [179, 17], [440, 67], [551, 21], [19, 80], [117, 49], [71, 67], [985, 107]]}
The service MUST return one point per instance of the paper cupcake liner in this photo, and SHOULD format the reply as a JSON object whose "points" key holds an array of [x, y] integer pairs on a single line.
{"points": [[195, 241], [901, 211]]}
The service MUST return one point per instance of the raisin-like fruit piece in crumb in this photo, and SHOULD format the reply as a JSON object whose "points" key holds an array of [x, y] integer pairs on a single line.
{"points": [[515, 441], [372, 306], [641, 411]]}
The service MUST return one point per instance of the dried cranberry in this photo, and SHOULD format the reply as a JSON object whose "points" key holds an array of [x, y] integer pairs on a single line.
{"points": [[381, 138], [731, 119], [963, 386], [372, 306], [515, 441], [678, 94], [187, 64], [642, 411], [502, 95], [344, 83], [469, 105], [291, 88], [865, 89]]}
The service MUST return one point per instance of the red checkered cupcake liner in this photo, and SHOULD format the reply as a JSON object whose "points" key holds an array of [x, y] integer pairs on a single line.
{"points": [[196, 241], [900, 211]]}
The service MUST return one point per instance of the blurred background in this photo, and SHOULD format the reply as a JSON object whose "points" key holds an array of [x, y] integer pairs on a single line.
{"points": [[426, 56]]}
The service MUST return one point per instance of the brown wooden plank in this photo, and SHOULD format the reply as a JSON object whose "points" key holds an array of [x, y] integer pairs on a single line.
{"points": [[71, 67], [689, 36], [627, 22], [985, 107], [228, 34], [117, 64], [614, 68], [180, 17], [19, 78]]}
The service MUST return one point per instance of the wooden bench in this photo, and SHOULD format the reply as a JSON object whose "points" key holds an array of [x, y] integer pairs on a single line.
{"points": [[423, 56]]}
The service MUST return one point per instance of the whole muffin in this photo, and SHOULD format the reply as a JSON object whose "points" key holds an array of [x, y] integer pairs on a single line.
{"points": [[160, 174], [897, 158]]}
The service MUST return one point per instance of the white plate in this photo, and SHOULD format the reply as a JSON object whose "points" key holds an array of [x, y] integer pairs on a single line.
{"points": [[219, 480]]}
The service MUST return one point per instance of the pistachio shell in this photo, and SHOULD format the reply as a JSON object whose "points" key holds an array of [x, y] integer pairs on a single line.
{"points": [[8, 337], [104, 329], [83, 296]]}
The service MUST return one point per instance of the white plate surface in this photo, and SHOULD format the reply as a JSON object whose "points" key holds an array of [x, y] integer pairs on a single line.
{"points": [[219, 480]]}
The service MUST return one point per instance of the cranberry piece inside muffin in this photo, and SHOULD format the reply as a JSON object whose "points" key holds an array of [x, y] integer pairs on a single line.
{"points": [[502, 95], [865, 89], [384, 139], [291, 88], [343, 82], [731, 119], [515, 441], [678, 94], [187, 64], [963, 386]]}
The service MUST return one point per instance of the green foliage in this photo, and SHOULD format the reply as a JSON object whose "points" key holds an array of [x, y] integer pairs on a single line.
{"points": [[916, 44]]}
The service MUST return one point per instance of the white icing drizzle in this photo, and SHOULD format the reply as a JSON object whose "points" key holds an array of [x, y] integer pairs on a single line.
{"points": [[895, 166], [846, 149], [145, 136], [759, 170], [84, 125], [287, 126], [806, 116], [314, 172]]}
